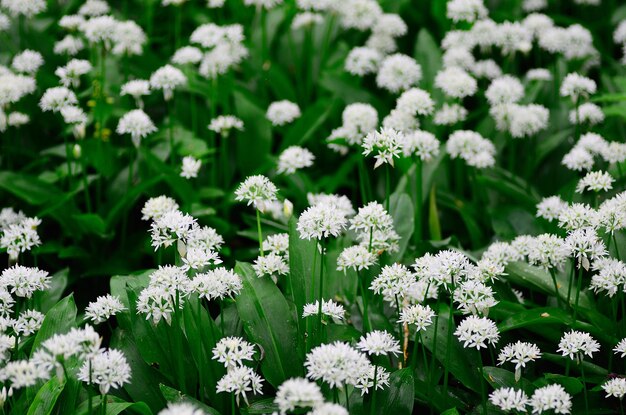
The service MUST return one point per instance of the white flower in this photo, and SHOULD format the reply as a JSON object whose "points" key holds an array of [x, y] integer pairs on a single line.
{"points": [[28, 322], [278, 243], [551, 397], [69, 45], [474, 297], [94, 8], [595, 181], [22, 373], [27, 8], [509, 399], [577, 216], [471, 147], [223, 124], [620, 348], [100, 29], [466, 10], [256, 190], [363, 60], [456, 83], [167, 79], [539, 74], [486, 68], [21, 237], [104, 308], [294, 158], [54, 99], [240, 381], [477, 332], [386, 144], [155, 207], [320, 221], [615, 387], [17, 119], [190, 167], [331, 409], [576, 86], [359, 14], [282, 112], [548, 251], [128, 39], [504, 90], [588, 113], [232, 351], [336, 364], [24, 281], [378, 343], [519, 353], [398, 72], [298, 393], [181, 408], [74, 115], [392, 281], [365, 381], [329, 308], [418, 315], [172, 226], [27, 62], [267, 4], [70, 74], [136, 88], [585, 245], [416, 101], [450, 114], [136, 123], [109, 369], [271, 264], [578, 159], [575, 344], [306, 19], [401, 121], [421, 144], [217, 283], [187, 55], [355, 257], [550, 208]]}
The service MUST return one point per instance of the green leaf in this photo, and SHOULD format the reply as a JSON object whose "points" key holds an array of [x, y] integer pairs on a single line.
{"points": [[60, 319], [535, 317], [58, 283], [254, 144], [428, 55], [46, 397], [175, 396], [308, 124], [401, 209], [301, 253], [268, 321], [115, 406], [463, 362], [90, 223], [28, 188], [398, 397], [501, 378]]}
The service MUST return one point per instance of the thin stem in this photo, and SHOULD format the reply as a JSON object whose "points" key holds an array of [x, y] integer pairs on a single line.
{"points": [[89, 397], [582, 375], [170, 128], [483, 392], [616, 246], [104, 404], [446, 372], [321, 292], [260, 232], [556, 287], [423, 347], [578, 289], [387, 186], [366, 318], [68, 159], [233, 408], [85, 185], [373, 403], [570, 282], [362, 180], [345, 389], [418, 201], [399, 323]]}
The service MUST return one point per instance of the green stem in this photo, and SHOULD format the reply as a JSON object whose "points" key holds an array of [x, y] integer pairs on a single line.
{"points": [[233, 408], [320, 293], [571, 282], [307, 339], [578, 289], [260, 232], [423, 347], [483, 392], [363, 180], [373, 403], [387, 185], [178, 344], [104, 404], [399, 323], [556, 287], [68, 159], [418, 202], [366, 317], [616, 246], [446, 372], [170, 128], [345, 389], [89, 397], [582, 374]]}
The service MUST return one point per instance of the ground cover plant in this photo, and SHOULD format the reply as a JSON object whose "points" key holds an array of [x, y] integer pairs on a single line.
{"points": [[312, 207]]}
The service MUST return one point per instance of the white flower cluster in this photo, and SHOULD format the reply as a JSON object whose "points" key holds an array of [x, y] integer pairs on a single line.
{"points": [[19, 234], [223, 48], [476, 150]]}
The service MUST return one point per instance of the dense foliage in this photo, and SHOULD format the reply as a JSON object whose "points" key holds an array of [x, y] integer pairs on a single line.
{"points": [[312, 206]]}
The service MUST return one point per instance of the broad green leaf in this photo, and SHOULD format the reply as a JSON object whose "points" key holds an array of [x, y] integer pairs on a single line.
{"points": [[58, 283], [428, 55], [261, 407], [401, 209], [173, 395], [301, 255], [269, 322], [90, 223], [115, 406], [60, 319], [501, 378], [253, 145], [28, 188], [463, 362], [308, 124], [398, 397], [46, 397]]}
